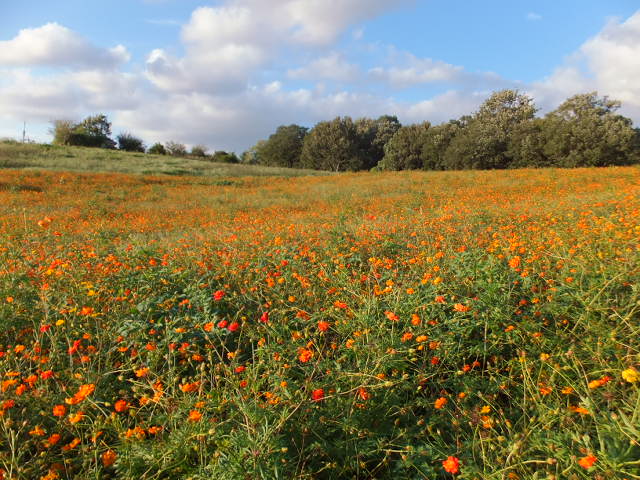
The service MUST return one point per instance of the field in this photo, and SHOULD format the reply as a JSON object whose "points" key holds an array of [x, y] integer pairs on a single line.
{"points": [[434, 325], [55, 157]]}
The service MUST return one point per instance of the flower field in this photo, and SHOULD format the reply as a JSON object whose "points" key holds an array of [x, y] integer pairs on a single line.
{"points": [[435, 325]]}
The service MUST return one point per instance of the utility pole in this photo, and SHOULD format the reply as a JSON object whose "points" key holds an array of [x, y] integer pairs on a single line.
{"points": [[24, 131]]}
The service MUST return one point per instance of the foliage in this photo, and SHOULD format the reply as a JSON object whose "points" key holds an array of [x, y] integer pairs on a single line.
{"points": [[199, 151], [374, 135], [175, 149], [404, 150], [130, 143], [221, 156], [284, 147], [333, 145], [408, 325], [157, 149], [586, 131], [93, 131]]}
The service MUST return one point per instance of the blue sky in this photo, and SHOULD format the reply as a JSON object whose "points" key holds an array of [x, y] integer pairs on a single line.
{"points": [[227, 73]]}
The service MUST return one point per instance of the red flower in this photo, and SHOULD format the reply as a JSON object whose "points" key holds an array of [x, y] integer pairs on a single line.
{"points": [[233, 327], [217, 296], [317, 394], [451, 465], [223, 323], [264, 318], [240, 369]]}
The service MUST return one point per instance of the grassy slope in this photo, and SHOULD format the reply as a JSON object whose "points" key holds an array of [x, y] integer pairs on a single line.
{"points": [[51, 157]]}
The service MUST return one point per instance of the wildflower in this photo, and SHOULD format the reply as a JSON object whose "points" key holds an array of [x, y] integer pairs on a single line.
{"points": [[587, 462], [459, 307], [599, 382], [304, 355], [392, 316], [121, 406], [415, 320], [59, 411], [223, 323], [142, 372], [52, 440], [217, 296], [240, 369], [233, 326], [323, 326], [109, 458], [363, 394], [630, 375], [406, 337], [195, 416], [317, 394], [264, 318], [514, 262], [451, 465], [76, 417], [339, 304], [440, 402]]}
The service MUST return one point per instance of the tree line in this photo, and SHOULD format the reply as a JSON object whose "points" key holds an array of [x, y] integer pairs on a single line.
{"points": [[585, 130]]}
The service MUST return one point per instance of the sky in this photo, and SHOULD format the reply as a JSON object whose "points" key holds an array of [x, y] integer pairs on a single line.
{"points": [[227, 73]]}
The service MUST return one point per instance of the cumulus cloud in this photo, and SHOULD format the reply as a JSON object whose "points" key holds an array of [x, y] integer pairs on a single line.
{"points": [[608, 63], [330, 67], [55, 45]]}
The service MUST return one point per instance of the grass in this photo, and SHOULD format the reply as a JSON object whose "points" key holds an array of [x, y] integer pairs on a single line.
{"points": [[78, 159], [476, 325]]}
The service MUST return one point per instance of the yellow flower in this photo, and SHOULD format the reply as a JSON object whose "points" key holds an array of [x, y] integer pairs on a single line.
{"points": [[631, 375]]}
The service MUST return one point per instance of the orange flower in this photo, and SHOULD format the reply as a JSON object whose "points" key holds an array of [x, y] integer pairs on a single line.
{"points": [[392, 316], [459, 307], [339, 304], [451, 465], [76, 417], [440, 402], [59, 410], [304, 355], [142, 372], [109, 458], [323, 326], [195, 416], [588, 461], [121, 406], [190, 387], [317, 394]]}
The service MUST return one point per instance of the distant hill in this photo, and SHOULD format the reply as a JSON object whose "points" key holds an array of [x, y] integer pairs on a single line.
{"points": [[17, 155]]}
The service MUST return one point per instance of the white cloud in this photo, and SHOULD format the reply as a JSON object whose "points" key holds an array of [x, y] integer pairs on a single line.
{"points": [[534, 17], [407, 70], [609, 62], [55, 45], [331, 67]]}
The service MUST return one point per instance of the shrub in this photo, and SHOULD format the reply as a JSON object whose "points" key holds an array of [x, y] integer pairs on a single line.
{"points": [[129, 143], [157, 149]]}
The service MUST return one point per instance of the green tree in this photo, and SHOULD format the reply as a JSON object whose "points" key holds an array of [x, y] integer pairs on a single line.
{"points": [[586, 131], [221, 156], [284, 147], [62, 131], [252, 156], [374, 135], [333, 145], [436, 141], [130, 143], [157, 149], [93, 131], [404, 150], [527, 145], [484, 142]]}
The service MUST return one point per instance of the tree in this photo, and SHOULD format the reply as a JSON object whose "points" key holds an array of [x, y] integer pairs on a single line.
{"points": [[176, 149], [253, 155], [157, 149], [93, 131], [221, 156], [586, 131], [527, 145], [404, 150], [62, 131], [199, 151], [333, 145], [130, 143], [284, 147], [484, 142], [436, 141], [374, 135]]}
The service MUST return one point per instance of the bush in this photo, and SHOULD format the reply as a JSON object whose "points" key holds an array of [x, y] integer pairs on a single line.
{"points": [[224, 157], [199, 151], [176, 149], [157, 149], [129, 143]]}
